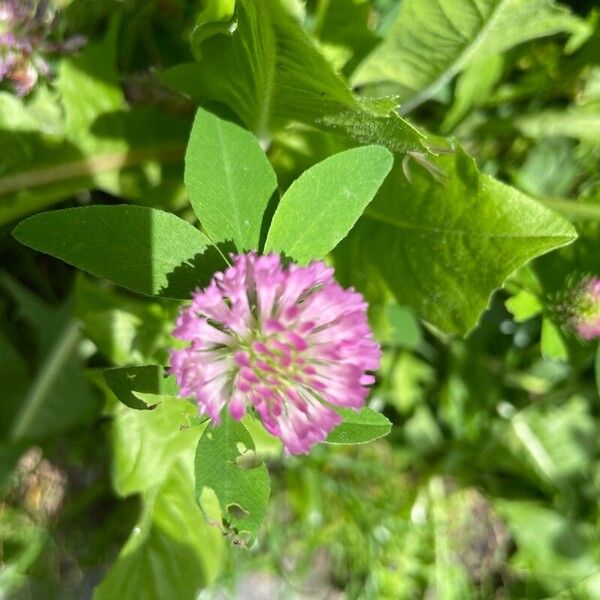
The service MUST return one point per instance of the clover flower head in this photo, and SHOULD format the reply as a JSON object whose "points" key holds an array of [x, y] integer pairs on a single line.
{"points": [[286, 340], [583, 307]]}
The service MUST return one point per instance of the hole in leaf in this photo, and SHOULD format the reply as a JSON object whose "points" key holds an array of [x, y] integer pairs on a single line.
{"points": [[236, 511], [248, 460]]}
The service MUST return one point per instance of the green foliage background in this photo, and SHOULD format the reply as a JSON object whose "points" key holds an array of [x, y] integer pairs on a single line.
{"points": [[273, 124]]}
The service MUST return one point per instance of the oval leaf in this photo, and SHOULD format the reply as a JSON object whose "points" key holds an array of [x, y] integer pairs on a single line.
{"points": [[142, 249], [321, 206], [243, 493], [359, 427], [229, 180]]}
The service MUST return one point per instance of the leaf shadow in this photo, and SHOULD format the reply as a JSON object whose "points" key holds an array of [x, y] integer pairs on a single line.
{"points": [[197, 271]]}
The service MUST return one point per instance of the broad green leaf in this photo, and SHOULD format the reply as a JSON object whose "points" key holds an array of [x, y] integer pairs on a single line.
{"points": [[396, 325], [321, 206], [431, 42], [242, 488], [147, 379], [171, 553], [84, 97], [146, 444], [124, 329], [553, 345], [443, 248], [229, 181], [359, 427], [266, 70], [524, 305], [142, 249]]}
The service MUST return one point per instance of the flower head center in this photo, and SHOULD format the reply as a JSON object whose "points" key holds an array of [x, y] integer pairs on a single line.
{"points": [[275, 358]]}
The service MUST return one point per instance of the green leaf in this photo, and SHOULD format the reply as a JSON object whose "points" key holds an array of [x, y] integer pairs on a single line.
{"points": [[582, 123], [242, 491], [389, 130], [430, 42], [142, 249], [50, 395], [443, 248], [345, 25], [266, 70], [401, 328], [473, 86], [524, 305], [124, 329], [147, 379], [171, 553], [146, 444], [359, 427], [229, 181], [553, 345], [216, 16], [321, 206]]}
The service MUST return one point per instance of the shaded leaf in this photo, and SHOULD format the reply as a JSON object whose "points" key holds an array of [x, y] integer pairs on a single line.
{"points": [[172, 551], [83, 138], [142, 249], [266, 70], [54, 395], [148, 379]]}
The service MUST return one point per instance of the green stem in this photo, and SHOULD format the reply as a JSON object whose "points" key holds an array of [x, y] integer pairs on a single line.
{"points": [[51, 369]]}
